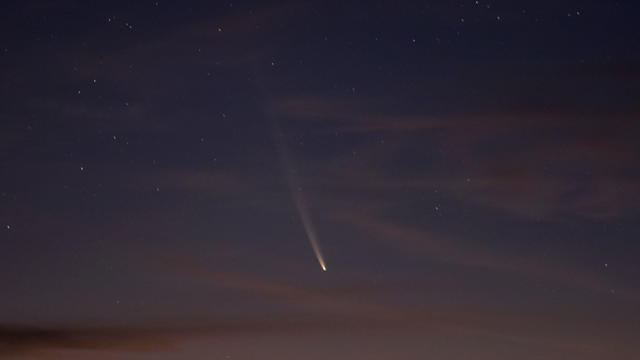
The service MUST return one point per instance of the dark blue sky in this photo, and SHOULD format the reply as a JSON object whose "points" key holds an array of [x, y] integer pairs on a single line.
{"points": [[469, 170]]}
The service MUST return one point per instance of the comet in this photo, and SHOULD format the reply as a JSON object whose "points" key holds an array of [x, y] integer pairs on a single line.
{"points": [[308, 225], [299, 199]]}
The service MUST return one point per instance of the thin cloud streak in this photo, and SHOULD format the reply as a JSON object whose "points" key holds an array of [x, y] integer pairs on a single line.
{"points": [[440, 248]]}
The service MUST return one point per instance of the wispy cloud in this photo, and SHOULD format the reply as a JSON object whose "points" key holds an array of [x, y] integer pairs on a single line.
{"points": [[447, 249], [577, 169], [20, 339]]}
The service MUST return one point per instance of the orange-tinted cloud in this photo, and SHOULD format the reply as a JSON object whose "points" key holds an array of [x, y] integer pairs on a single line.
{"points": [[577, 169], [19, 339], [447, 249]]}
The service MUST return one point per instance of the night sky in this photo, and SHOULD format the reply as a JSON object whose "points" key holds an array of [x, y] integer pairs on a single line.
{"points": [[175, 175]]}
